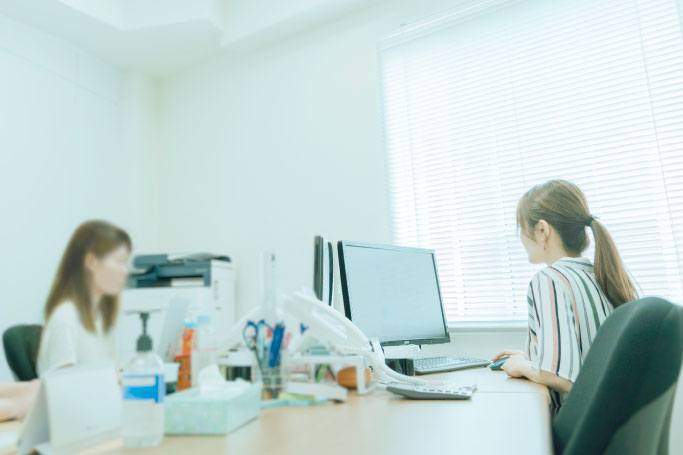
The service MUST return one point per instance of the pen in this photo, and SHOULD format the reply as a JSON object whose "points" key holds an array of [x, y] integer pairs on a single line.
{"points": [[261, 347], [274, 354]]}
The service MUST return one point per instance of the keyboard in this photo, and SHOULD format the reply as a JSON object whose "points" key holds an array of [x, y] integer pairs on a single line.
{"points": [[440, 364]]}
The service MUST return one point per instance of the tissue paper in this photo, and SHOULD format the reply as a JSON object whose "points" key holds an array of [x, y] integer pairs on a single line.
{"points": [[216, 406]]}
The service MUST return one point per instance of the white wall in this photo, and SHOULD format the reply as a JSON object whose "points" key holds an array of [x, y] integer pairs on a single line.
{"points": [[78, 141], [273, 146]]}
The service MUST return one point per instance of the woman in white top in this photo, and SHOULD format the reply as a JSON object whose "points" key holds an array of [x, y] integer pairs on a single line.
{"points": [[83, 304], [571, 298]]}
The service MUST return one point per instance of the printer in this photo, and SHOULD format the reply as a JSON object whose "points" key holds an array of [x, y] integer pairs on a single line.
{"points": [[172, 288]]}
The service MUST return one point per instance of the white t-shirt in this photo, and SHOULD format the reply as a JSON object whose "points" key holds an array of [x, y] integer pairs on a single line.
{"points": [[66, 342]]}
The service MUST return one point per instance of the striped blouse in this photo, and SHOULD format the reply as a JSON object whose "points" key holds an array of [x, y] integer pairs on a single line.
{"points": [[566, 308]]}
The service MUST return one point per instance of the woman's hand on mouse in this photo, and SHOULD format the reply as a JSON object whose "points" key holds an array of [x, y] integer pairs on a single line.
{"points": [[507, 352], [517, 365]]}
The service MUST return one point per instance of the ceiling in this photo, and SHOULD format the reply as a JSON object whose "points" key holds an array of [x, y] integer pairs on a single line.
{"points": [[162, 37]]}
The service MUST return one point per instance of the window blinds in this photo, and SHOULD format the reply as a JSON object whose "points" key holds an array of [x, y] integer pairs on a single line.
{"points": [[482, 103]]}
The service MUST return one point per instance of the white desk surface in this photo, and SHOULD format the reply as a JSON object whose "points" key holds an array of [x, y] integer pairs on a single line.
{"points": [[505, 415]]}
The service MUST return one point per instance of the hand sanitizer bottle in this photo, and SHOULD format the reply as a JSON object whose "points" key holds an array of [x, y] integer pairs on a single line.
{"points": [[143, 395]]}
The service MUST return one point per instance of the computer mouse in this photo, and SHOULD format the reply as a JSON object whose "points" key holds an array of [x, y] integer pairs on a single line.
{"points": [[498, 365]]}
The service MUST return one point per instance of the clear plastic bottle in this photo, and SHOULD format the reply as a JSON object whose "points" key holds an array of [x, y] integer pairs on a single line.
{"points": [[204, 349], [143, 395]]}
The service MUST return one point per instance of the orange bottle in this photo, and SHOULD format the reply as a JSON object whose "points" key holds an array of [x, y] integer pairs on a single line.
{"points": [[184, 359]]}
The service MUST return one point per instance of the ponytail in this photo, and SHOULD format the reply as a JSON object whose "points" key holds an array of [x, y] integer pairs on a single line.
{"points": [[609, 268]]}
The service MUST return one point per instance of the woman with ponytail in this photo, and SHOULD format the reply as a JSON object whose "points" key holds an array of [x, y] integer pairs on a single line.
{"points": [[571, 298]]}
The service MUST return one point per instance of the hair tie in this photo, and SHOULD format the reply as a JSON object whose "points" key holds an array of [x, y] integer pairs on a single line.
{"points": [[590, 220]]}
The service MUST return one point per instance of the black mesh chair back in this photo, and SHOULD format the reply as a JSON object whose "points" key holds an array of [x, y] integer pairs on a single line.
{"points": [[21, 344]]}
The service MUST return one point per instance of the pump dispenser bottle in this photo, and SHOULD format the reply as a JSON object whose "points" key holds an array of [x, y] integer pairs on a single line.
{"points": [[143, 395]]}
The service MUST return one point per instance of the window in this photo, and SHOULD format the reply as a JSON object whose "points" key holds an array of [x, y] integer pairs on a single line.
{"points": [[483, 103]]}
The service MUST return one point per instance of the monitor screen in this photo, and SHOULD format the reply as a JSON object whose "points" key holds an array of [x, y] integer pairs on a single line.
{"points": [[392, 293]]}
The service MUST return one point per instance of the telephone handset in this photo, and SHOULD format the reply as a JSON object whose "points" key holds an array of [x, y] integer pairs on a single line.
{"points": [[328, 325], [322, 322], [325, 323]]}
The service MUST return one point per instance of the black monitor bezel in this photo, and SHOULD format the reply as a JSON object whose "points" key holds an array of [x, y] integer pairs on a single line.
{"points": [[320, 244], [345, 291]]}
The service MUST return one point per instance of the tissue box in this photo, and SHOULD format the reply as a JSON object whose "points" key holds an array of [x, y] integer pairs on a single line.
{"points": [[217, 412]]}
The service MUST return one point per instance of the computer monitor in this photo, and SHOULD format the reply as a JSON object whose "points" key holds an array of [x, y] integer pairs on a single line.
{"points": [[323, 267], [393, 293]]}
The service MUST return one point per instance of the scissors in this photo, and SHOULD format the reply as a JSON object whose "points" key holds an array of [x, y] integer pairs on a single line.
{"points": [[254, 334]]}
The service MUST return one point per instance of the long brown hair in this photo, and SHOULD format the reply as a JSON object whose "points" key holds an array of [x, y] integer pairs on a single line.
{"points": [[72, 281], [564, 207]]}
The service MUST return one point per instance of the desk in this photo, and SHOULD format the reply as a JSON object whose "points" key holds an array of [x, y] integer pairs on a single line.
{"points": [[504, 416]]}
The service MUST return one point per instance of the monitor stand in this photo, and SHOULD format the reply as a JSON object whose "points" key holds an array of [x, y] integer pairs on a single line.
{"points": [[400, 358]]}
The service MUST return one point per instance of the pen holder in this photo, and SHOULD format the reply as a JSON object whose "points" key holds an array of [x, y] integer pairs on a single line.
{"points": [[271, 378]]}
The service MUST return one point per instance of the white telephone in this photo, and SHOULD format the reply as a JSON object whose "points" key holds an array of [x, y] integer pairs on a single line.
{"points": [[326, 325]]}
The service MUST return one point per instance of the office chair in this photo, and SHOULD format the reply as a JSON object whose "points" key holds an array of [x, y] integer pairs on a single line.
{"points": [[622, 399], [21, 344]]}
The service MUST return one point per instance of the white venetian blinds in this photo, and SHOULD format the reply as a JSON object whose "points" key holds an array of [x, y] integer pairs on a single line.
{"points": [[485, 102]]}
